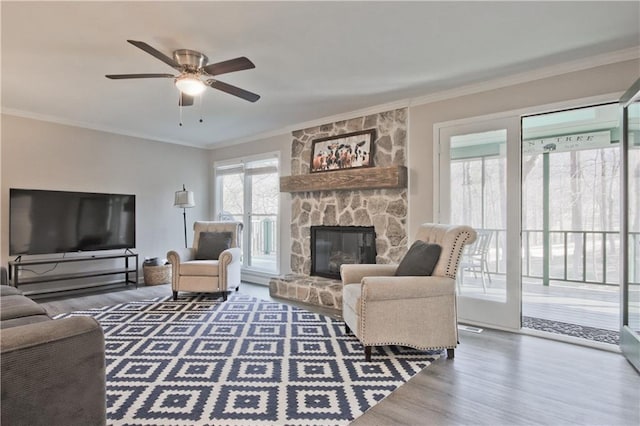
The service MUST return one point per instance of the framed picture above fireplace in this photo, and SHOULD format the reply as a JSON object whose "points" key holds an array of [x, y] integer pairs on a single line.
{"points": [[346, 151]]}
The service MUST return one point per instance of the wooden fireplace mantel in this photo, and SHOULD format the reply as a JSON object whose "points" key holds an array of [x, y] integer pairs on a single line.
{"points": [[363, 178]]}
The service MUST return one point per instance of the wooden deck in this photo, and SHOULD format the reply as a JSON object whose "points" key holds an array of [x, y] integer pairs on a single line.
{"points": [[588, 305]]}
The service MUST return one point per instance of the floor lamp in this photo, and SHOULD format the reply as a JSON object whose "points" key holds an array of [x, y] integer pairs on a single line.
{"points": [[184, 200]]}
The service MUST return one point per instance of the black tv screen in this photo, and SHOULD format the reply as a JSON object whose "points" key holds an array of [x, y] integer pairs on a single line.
{"points": [[45, 222]]}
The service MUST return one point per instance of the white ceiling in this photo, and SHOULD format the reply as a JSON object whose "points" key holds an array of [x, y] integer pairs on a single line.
{"points": [[313, 59]]}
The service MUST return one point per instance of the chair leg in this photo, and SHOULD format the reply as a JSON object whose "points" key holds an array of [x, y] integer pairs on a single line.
{"points": [[175, 295], [367, 353], [224, 296], [347, 330], [450, 353], [486, 269]]}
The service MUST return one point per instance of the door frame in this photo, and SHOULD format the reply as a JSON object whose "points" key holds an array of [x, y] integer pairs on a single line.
{"points": [[514, 238], [256, 273], [471, 310]]}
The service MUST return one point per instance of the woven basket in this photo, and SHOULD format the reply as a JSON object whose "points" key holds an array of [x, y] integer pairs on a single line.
{"points": [[154, 275]]}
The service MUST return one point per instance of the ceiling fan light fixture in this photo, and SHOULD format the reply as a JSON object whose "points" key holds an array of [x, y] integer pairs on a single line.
{"points": [[193, 66], [190, 85]]}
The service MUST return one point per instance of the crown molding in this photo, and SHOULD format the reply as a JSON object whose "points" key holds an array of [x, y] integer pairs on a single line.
{"points": [[91, 126], [253, 138], [316, 122], [527, 76]]}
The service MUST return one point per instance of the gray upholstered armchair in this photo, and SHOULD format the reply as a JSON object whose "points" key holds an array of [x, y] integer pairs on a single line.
{"points": [[192, 270], [416, 311]]}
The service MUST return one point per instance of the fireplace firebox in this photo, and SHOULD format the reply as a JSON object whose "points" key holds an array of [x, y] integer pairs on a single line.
{"points": [[331, 246]]}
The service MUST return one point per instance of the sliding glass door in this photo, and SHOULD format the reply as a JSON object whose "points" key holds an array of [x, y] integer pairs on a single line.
{"points": [[571, 222], [555, 198], [630, 229], [248, 191]]}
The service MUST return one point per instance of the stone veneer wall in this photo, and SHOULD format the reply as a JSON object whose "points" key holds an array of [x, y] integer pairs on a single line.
{"points": [[385, 209]]}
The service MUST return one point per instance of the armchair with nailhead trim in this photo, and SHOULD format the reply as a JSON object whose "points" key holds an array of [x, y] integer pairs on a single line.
{"points": [[416, 311], [220, 274]]}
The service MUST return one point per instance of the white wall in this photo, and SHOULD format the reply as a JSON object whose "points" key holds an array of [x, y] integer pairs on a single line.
{"points": [[42, 155], [281, 144], [602, 80]]}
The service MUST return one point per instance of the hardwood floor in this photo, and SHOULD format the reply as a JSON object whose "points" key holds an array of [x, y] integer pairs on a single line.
{"points": [[78, 302], [496, 378]]}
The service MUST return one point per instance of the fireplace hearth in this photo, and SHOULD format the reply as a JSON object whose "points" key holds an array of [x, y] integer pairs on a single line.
{"points": [[332, 246]]}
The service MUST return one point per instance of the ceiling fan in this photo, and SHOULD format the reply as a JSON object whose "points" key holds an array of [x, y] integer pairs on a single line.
{"points": [[194, 70]]}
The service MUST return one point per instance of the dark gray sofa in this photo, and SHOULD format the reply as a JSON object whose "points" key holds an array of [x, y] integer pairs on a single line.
{"points": [[52, 371]]}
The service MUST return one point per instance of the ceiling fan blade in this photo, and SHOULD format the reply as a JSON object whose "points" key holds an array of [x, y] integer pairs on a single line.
{"points": [[237, 64], [156, 53], [185, 100], [233, 90], [123, 76]]}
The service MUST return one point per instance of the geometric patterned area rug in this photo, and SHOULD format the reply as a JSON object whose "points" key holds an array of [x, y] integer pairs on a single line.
{"points": [[201, 361]]}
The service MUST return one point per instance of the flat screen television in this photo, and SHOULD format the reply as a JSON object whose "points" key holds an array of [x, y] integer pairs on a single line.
{"points": [[46, 222]]}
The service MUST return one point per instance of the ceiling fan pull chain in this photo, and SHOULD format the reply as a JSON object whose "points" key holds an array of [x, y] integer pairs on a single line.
{"points": [[200, 108], [180, 106]]}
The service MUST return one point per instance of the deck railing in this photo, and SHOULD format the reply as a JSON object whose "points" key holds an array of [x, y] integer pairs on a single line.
{"points": [[264, 239], [264, 233], [591, 257]]}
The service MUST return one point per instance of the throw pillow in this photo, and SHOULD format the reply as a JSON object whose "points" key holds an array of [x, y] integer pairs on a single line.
{"points": [[211, 244], [421, 259]]}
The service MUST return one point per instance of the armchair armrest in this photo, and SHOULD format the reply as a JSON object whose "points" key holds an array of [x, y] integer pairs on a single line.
{"points": [[229, 266], [354, 273], [175, 257], [395, 288], [181, 255], [54, 370], [230, 255]]}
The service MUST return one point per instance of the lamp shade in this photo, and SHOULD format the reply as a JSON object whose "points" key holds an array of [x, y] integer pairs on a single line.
{"points": [[184, 199]]}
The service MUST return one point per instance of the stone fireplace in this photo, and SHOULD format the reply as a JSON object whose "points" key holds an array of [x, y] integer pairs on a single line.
{"points": [[331, 246], [383, 208]]}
